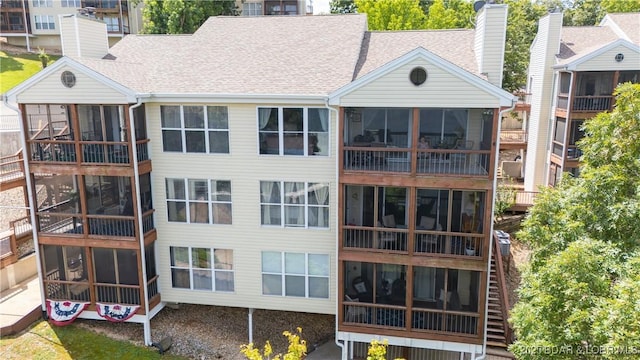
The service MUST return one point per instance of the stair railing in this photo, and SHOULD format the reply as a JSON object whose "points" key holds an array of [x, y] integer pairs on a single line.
{"points": [[502, 288]]}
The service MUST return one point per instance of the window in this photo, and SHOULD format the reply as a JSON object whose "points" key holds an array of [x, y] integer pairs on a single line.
{"points": [[195, 129], [44, 22], [202, 269], [295, 274], [42, 3], [199, 201], [294, 204], [113, 24], [293, 131], [251, 9], [72, 3]]}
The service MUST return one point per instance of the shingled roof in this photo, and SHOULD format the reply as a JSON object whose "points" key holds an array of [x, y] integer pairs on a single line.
{"points": [[271, 55], [577, 41], [629, 23]]}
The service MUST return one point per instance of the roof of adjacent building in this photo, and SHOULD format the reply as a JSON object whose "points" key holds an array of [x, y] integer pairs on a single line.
{"points": [[629, 23], [578, 41], [274, 55]]}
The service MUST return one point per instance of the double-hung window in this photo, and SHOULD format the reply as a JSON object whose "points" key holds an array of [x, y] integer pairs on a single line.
{"points": [[294, 204], [72, 3], [293, 131], [295, 274], [251, 9], [199, 201], [195, 129], [202, 268], [42, 3], [44, 22]]}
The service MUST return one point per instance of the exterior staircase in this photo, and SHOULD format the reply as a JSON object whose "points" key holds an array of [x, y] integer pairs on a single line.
{"points": [[498, 330]]}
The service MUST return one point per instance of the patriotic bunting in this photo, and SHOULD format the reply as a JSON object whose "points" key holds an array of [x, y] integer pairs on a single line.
{"points": [[62, 313], [116, 312]]}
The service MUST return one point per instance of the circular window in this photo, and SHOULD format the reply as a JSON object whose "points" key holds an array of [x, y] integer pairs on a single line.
{"points": [[619, 57], [418, 76], [68, 79]]}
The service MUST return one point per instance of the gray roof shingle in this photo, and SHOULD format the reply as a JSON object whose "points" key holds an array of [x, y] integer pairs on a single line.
{"points": [[629, 23]]}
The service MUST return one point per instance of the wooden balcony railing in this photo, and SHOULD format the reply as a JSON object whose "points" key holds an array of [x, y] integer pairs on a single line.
{"points": [[117, 294], [592, 103], [432, 161], [421, 320], [152, 287], [91, 152], [426, 242], [11, 167], [513, 136]]}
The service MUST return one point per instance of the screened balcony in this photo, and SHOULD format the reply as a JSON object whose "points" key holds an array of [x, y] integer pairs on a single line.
{"points": [[443, 300], [103, 134], [447, 222], [448, 141]]}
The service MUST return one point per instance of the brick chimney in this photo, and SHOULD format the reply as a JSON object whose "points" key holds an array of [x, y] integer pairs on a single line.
{"points": [[82, 36], [491, 28]]}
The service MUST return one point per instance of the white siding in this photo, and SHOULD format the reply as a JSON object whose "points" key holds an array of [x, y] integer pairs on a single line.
{"points": [[606, 61], [442, 89], [542, 58], [49, 90], [244, 168], [489, 41], [84, 37]]}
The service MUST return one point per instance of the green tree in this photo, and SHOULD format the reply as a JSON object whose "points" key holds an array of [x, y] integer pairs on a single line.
{"points": [[450, 14], [618, 6], [342, 7], [505, 197], [522, 24], [584, 270], [182, 16], [392, 14]]}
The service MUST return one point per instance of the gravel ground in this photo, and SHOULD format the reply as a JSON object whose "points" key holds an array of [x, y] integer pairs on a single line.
{"points": [[214, 332]]}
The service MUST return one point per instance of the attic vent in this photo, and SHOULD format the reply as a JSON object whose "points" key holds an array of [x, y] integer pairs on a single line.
{"points": [[619, 57], [418, 76], [68, 79]]}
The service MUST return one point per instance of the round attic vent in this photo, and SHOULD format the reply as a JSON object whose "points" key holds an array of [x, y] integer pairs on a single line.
{"points": [[418, 76], [68, 79], [619, 57]]}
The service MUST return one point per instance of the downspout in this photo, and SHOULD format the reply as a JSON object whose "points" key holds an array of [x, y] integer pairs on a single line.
{"points": [[337, 148], [26, 27], [143, 262], [493, 204], [32, 205]]}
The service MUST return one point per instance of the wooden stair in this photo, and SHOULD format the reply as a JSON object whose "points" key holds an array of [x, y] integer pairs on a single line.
{"points": [[498, 331]]}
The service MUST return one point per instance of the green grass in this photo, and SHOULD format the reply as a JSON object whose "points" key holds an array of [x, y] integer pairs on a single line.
{"points": [[16, 68], [46, 341]]}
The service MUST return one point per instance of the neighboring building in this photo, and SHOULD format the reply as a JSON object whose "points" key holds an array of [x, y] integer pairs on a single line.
{"points": [[36, 23], [572, 74], [290, 177], [274, 7]]}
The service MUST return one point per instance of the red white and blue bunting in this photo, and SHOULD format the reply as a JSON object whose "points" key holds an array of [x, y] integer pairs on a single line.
{"points": [[63, 313], [116, 312]]}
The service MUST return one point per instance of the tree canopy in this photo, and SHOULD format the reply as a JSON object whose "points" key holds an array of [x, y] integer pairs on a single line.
{"points": [[392, 14], [583, 281], [182, 16]]}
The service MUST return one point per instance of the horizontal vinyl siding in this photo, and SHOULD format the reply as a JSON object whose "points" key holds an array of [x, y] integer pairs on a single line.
{"points": [[441, 89], [493, 48], [244, 168], [606, 61], [68, 36], [93, 38], [50, 90]]}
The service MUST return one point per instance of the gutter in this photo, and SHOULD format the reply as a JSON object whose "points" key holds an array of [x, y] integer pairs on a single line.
{"points": [[493, 205], [340, 344], [32, 206], [143, 262]]}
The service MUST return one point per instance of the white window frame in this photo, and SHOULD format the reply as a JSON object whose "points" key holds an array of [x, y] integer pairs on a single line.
{"points": [[42, 3], [72, 3], [44, 22], [283, 205], [190, 267], [305, 131], [206, 130], [283, 274], [209, 201], [252, 9]]}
